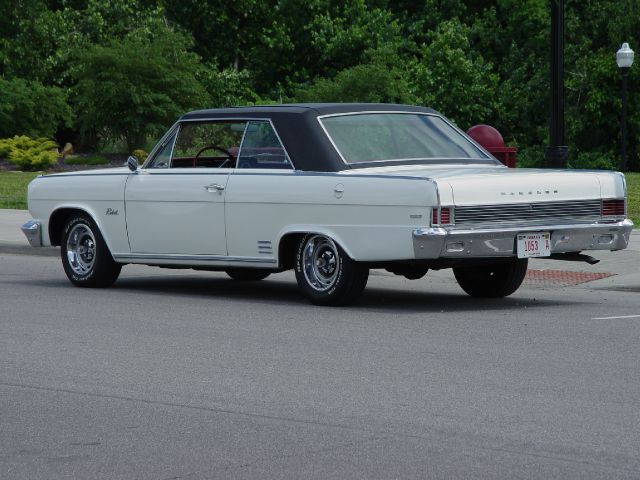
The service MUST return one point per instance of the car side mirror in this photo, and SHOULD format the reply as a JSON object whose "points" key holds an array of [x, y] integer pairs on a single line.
{"points": [[132, 163]]}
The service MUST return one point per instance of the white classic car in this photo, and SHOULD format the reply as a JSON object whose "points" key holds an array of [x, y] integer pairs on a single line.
{"points": [[331, 191]]}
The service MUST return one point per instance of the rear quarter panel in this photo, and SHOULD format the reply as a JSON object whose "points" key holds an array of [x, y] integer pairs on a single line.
{"points": [[371, 217]]}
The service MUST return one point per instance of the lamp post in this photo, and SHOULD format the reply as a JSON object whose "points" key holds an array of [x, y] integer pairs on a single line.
{"points": [[624, 59], [557, 153]]}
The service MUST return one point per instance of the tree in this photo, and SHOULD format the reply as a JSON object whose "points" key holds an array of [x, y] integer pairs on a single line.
{"points": [[28, 40], [454, 79], [223, 31], [383, 79], [595, 31], [228, 87], [514, 37], [41, 39], [31, 108], [137, 86]]}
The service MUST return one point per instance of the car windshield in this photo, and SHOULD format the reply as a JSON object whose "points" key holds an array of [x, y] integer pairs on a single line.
{"points": [[381, 137]]}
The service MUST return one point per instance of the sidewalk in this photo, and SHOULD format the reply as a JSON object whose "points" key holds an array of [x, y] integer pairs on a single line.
{"points": [[625, 264], [12, 240]]}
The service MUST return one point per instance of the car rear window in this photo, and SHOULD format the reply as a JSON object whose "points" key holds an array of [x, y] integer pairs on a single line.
{"points": [[383, 137]]}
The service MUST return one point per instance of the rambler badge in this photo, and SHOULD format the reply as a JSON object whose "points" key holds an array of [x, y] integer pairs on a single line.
{"points": [[537, 192]]}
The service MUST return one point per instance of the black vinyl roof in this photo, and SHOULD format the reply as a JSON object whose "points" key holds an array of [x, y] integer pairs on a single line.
{"points": [[305, 108], [298, 128]]}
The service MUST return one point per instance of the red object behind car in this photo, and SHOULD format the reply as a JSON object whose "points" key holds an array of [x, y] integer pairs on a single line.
{"points": [[491, 140]]}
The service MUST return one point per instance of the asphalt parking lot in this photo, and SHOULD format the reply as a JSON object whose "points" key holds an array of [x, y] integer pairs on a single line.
{"points": [[173, 374]]}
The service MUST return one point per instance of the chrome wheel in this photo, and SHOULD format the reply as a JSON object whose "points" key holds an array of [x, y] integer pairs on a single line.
{"points": [[320, 262], [326, 274], [81, 249], [85, 255]]}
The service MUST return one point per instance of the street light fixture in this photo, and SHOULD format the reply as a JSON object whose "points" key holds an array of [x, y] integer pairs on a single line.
{"points": [[624, 59]]}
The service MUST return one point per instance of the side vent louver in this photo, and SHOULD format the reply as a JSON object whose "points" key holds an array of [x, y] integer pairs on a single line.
{"points": [[264, 247]]}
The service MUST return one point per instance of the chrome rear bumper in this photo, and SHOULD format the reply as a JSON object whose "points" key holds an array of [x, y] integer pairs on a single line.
{"points": [[437, 242], [33, 231]]}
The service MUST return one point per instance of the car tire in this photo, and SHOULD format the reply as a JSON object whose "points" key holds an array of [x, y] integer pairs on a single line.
{"points": [[325, 273], [85, 256], [492, 281], [247, 274]]}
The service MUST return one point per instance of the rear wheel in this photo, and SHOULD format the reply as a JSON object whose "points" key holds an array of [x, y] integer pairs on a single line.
{"points": [[85, 257], [325, 273], [248, 274], [492, 281]]}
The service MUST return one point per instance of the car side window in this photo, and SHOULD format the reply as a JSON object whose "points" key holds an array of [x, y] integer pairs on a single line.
{"points": [[162, 159], [212, 144], [261, 148]]}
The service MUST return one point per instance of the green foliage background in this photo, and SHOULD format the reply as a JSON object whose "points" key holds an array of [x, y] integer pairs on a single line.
{"points": [[97, 71]]}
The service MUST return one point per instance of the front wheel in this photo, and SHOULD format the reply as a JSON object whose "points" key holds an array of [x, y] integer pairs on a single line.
{"points": [[492, 281], [85, 257], [325, 273]]}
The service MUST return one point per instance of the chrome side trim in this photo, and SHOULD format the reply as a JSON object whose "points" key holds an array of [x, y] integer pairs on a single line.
{"points": [[432, 243], [247, 171], [33, 231], [86, 173], [244, 134], [223, 119], [189, 259]]}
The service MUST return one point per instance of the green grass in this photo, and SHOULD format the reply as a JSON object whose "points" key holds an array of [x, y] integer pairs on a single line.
{"points": [[90, 160], [633, 192], [13, 189]]}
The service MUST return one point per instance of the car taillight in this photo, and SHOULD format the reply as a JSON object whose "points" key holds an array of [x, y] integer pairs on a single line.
{"points": [[445, 216], [441, 216], [613, 208]]}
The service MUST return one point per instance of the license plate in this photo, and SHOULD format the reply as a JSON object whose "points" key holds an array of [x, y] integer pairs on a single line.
{"points": [[534, 245]]}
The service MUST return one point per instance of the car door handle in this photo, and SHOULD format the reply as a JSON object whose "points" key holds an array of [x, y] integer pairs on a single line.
{"points": [[214, 187]]}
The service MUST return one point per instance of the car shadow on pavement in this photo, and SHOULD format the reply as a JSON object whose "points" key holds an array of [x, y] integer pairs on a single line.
{"points": [[277, 291], [285, 292], [271, 291], [397, 301]]}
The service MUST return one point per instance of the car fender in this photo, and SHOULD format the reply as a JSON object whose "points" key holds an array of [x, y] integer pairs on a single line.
{"points": [[327, 231], [89, 210]]}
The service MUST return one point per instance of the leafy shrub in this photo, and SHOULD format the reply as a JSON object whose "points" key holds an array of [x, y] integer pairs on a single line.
{"points": [[29, 153], [530, 157], [135, 87], [5, 147], [533, 157], [31, 108], [88, 160], [228, 87], [140, 154], [373, 82], [594, 161]]}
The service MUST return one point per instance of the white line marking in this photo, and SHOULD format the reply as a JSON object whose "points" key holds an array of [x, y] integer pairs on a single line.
{"points": [[613, 318]]}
